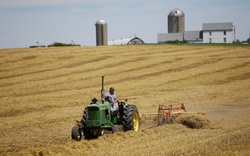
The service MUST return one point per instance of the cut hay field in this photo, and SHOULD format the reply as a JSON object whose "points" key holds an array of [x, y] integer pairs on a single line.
{"points": [[43, 91]]}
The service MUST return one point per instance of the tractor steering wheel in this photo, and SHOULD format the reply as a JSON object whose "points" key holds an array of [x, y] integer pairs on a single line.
{"points": [[108, 99]]}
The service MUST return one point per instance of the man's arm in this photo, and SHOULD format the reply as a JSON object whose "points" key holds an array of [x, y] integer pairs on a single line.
{"points": [[115, 99]]}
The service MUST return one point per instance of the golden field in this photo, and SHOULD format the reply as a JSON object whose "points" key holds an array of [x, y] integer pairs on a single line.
{"points": [[44, 90]]}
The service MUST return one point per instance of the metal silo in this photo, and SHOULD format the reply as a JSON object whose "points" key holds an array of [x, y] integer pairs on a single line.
{"points": [[101, 32], [176, 21]]}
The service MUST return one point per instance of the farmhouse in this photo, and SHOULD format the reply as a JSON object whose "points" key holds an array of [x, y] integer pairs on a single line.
{"points": [[210, 33], [218, 32]]}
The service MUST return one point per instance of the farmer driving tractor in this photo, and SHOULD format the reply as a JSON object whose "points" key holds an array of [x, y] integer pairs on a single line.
{"points": [[111, 97]]}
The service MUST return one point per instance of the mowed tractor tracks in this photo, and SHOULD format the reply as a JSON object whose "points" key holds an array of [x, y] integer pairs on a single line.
{"points": [[43, 91]]}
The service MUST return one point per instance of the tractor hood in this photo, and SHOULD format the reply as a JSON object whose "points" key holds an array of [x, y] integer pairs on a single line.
{"points": [[98, 115], [101, 106]]}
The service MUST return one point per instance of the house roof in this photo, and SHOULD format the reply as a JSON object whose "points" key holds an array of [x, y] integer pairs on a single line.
{"points": [[217, 26]]}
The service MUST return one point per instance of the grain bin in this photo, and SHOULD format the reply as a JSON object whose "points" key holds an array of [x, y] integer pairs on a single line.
{"points": [[101, 32], [176, 21]]}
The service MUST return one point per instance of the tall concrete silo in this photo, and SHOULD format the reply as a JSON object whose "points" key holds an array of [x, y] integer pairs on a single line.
{"points": [[176, 21], [101, 32]]}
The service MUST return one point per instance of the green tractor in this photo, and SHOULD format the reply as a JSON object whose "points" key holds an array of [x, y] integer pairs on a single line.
{"points": [[98, 117]]}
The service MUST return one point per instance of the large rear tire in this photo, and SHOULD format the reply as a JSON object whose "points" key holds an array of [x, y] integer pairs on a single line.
{"points": [[85, 117], [131, 120], [76, 133]]}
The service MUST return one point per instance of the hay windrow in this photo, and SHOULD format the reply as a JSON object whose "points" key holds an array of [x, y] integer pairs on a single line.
{"points": [[193, 121]]}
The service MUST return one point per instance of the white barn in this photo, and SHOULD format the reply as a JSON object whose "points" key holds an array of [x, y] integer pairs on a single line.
{"points": [[218, 32], [125, 41]]}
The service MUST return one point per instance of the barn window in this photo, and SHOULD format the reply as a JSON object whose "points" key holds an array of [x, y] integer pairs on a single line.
{"points": [[210, 32], [225, 40], [225, 32]]}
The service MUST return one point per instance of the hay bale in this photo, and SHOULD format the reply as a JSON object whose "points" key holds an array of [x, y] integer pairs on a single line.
{"points": [[193, 121]]}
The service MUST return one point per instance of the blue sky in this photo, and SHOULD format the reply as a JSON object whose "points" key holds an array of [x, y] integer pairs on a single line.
{"points": [[24, 22]]}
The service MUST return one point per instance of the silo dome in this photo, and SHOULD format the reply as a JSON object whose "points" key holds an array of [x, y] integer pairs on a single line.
{"points": [[176, 12], [176, 21], [101, 21]]}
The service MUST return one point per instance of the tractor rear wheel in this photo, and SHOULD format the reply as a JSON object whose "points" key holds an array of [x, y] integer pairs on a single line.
{"points": [[131, 119], [76, 133], [88, 133], [85, 117]]}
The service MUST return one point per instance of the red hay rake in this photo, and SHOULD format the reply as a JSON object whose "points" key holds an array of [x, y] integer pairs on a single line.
{"points": [[165, 115]]}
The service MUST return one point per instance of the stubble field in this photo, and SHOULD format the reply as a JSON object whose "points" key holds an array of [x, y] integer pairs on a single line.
{"points": [[43, 91]]}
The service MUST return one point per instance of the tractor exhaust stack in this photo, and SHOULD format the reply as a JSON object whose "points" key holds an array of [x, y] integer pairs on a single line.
{"points": [[102, 90]]}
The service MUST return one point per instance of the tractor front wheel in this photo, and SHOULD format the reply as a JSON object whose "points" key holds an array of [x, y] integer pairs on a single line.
{"points": [[76, 133]]}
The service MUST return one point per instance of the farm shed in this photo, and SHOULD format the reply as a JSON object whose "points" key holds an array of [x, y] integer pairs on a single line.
{"points": [[188, 36]]}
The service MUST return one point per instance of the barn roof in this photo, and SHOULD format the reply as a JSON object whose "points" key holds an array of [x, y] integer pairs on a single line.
{"points": [[124, 41]]}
